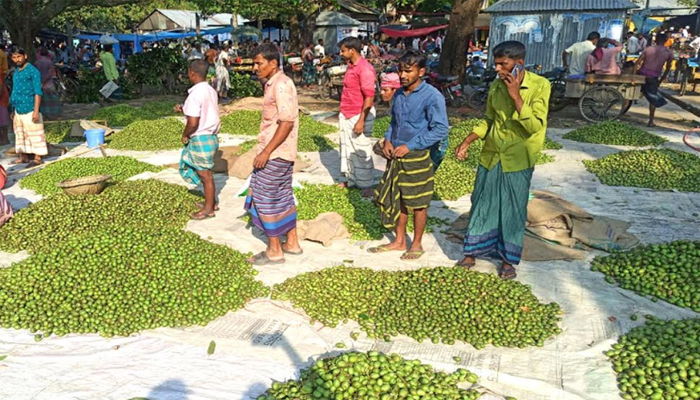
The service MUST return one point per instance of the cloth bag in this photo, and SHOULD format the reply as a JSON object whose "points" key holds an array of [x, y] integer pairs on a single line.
{"points": [[108, 89]]}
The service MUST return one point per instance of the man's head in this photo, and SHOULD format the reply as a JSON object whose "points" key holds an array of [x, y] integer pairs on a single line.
{"points": [[593, 37], [661, 39], [350, 48], [44, 51], [320, 41], [507, 55], [266, 41], [630, 34], [389, 84], [266, 60], [197, 71], [18, 56], [411, 69], [108, 48], [640, 36], [310, 45]]}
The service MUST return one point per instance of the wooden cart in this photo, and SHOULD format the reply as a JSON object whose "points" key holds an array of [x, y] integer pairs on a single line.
{"points": [[605, 97]]}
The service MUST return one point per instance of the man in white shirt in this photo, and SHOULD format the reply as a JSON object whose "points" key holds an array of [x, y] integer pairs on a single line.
{"points": [[684, 32], [643, 43], [579, 53], [695, 44], [632, 43], [438, 42], [416, 43], [319, 50]]}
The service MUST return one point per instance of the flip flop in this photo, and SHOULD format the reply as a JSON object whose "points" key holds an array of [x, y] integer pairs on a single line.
{"points": [[381, 249], [198, 216], [34, 163], [293, 253], [507, 273], [262, 259], [18, 162], [412, 255], [467, 265], [201, 206]]}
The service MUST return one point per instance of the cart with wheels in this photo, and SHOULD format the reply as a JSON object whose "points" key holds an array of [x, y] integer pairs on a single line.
{"points": [[605, 97]]}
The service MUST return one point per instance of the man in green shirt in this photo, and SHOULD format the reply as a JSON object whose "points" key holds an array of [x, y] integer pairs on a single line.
{"points": [[513, 133], [109, 64]]}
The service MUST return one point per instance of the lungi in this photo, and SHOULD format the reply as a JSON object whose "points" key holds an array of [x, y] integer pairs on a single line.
{"points": [[499, 213], [4, 117], [407, 181], [270, 199], [198, 155], [5, 210], [650, 89], [356, 164], [309, 74], [29, 137]]}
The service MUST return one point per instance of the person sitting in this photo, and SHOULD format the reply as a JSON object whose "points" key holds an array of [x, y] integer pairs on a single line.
{"points": [[603, 60]]}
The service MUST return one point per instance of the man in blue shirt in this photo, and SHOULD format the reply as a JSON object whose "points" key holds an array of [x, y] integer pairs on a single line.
{"points": [[418, 123], [26, 100]]}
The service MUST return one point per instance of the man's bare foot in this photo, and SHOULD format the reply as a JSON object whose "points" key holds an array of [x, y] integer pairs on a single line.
{"points": [[651, 125], [466, 262], [343, 185]]}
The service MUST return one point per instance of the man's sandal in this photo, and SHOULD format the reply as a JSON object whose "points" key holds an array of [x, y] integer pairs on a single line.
{"points": [[262, 259], [412, 255], [507, 272]]}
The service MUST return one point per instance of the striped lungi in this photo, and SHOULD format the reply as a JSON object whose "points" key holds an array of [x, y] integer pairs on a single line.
{"points": [[51, 105], [407, 181], [198, 155], [29, 137], [270, 199], [499, 213]]}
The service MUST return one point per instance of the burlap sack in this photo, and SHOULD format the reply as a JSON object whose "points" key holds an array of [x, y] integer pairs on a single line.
{"points": [[323, 229]]}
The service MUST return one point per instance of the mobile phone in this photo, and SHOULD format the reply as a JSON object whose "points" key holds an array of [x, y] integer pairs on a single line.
{"points": [[516, 70]]}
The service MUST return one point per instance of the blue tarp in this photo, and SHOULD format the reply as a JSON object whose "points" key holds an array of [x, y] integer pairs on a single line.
{"points": [[649, 24]]}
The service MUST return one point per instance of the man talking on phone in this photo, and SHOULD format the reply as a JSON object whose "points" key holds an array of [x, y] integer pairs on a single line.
{"points": [[513, 133]]}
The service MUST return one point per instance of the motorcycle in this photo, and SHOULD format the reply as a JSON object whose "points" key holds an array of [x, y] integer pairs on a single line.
{"points": [[331, 77], [479, 81], [449, 86], [557, 99]]}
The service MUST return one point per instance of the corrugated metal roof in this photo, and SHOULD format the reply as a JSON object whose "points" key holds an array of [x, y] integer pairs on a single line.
{"points": [[188, 19], [559, 5]]}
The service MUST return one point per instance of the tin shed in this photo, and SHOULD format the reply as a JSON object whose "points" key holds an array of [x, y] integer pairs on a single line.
{"points": [[548, 27], [332, 27]]}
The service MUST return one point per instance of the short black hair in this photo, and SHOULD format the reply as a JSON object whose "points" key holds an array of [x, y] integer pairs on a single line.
{"points": [[412, 57], [351, 42], [268, 51], [593, 36], [630, 33], [320, 40], [17, 50], [199, 67], [510, 49], [108, 47], [661, 38]]}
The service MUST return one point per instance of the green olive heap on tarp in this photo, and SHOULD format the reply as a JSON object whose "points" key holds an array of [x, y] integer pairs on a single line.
{"points": [[615, 133], [121, 280], [667, 271], [161, 108], [660, 169], [161, 134], [437, 304], [59, 132], [360, 216], [120, 167], [141, 203], [311, 133], [122, 115], [373, 376], [381, 125], [659, 360], [550, 144]]}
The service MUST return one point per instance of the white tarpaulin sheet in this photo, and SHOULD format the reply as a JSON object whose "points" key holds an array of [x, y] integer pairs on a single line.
{"points": [[269, 341]]}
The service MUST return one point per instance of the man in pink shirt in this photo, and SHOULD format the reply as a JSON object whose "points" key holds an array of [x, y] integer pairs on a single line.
{"points": [[199, 138], [603, 60], [652, 63], [270, 199], [356, 118]]}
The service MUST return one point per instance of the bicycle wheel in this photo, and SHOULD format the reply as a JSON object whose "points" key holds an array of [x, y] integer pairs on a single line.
{"points": [[477, 100], [601, 104], [324, 87]]}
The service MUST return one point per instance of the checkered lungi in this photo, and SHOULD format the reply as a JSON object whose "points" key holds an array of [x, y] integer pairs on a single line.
{"points": [[198, 155], [29, 137]]}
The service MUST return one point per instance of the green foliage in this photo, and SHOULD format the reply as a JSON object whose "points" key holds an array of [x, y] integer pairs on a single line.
{"points": [[381, 125], [660, 169], [160, 134], [373, 375], [243, 86], [143, 203], [551, 144], [439, 304], [659, 360], [121, 168], [122, 115], [157, 65], [665, 271], [121, 280], [615, 133]]}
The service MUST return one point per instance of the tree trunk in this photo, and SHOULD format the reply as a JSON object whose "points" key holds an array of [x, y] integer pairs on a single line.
{"points": [[295, 43], [23, 34], [309, 23], [453, 59]]}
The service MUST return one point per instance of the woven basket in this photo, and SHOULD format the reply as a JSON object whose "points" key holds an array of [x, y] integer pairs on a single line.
{"points": [[87, 185]]}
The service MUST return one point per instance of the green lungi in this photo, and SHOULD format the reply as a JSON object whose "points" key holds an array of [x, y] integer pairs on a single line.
{"points": [[407, 181], [499, 214]]}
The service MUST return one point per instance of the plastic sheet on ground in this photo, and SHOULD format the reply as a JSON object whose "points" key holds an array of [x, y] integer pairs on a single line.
{"points": [[269, 340]]}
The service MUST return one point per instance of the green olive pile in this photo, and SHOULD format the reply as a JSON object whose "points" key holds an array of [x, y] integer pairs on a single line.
{"points": [[373, 376], [439, 304], [667, 271], [246, 146], [121, 280], [311, 133], [58, 132], [660, 169], [142, 203], [120, 167], [360, 216], [160, 108], [455, 178], [615, 133], [161, 134], [381, 125], [659, 361], [551, 145], [122, 115]]}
